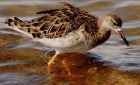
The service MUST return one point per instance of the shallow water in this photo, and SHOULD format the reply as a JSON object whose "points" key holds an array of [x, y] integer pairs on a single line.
{"points": [[113, 51]]}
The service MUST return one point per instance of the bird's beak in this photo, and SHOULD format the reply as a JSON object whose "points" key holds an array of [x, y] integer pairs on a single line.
{"points": [[120, 32]]}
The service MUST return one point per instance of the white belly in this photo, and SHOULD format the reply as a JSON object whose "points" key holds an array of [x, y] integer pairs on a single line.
{"points": [[73, 42], [79, 47]]}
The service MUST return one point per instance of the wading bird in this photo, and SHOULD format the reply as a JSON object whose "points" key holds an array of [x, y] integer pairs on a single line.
{"points": [[69, 29]]}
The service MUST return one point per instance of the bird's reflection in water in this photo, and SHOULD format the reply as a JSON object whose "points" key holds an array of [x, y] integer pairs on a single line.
{"points": [[68, 69], [76, 68]]}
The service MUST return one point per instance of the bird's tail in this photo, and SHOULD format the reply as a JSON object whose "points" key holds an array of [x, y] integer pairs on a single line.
{"points": [[19, 26], [16, 22]]}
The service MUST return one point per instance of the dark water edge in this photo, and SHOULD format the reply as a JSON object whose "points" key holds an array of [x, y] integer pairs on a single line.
{"points": [[23, 62]]}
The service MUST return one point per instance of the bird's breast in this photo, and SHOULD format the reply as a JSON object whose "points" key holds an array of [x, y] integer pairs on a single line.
{"points": [[69, 40], [100, 38]]}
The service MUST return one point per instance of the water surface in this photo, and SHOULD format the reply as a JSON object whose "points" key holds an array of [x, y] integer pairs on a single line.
{"points": [[22, 49]]}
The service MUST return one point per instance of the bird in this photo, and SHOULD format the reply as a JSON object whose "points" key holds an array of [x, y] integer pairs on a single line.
{"points": [[69, 29]]}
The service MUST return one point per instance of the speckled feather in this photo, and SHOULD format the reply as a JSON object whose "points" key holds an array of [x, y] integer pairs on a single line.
{"points": [[57, 22], [68, 29]]}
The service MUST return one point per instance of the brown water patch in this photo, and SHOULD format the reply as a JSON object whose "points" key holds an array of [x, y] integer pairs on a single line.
{"points": [[19, 10], [94, 6], [8, 38], [22, 54], [132, 31], [135, 42], [128, 12]]}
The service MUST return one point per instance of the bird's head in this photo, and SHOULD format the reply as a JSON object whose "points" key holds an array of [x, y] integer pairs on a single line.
{"points": [[113, 23]]}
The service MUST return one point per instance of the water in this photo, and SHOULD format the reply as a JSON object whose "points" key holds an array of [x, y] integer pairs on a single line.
{"points": [[114, 51], [19, 79]]}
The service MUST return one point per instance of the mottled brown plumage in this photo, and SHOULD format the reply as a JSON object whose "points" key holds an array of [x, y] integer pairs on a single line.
{"points": [[57, 22], [69, 29]]}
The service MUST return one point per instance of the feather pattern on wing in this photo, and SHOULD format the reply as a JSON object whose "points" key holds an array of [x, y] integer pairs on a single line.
{"points": [[58, 22]]}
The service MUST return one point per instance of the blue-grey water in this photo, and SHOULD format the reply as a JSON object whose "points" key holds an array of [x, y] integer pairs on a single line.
{"points": [[114, 51]]}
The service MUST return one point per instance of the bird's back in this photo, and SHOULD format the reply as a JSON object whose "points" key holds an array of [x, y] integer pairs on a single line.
{"points": [[66, 28], [57, 23]]}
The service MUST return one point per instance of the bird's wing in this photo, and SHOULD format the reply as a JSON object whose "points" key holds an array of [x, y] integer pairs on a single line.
{"points": [[57, 22]]}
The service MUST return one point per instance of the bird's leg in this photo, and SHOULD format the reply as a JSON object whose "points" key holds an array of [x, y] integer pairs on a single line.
{"points": [[52, 60]]}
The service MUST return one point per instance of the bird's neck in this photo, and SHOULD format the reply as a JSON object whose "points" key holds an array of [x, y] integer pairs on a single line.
{"points": [[103, 28], [104, 33], [103, 36]]}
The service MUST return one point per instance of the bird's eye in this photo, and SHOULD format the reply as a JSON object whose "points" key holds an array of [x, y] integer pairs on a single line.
{"points": [[114, 23]]}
